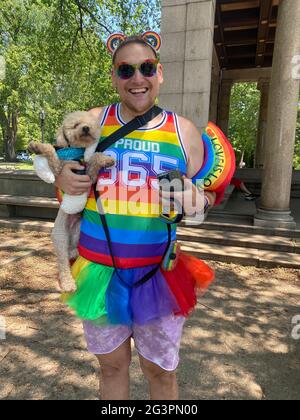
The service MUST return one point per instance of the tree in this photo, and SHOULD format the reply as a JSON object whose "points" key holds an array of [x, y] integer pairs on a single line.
{"points": [[243, 121], [56, 59]]}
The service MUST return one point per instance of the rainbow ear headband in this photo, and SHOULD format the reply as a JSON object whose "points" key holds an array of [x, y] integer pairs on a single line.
{"points": [[152, 38]]}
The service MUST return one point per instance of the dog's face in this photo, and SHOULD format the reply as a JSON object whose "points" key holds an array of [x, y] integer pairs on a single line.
{"points": [[79, 129]]}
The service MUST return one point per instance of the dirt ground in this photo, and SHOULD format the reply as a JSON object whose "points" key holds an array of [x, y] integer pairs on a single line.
{"points": [[237, 344]]}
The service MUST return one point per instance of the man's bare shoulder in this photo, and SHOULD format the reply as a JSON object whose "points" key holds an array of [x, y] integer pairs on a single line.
{"points": [[190, 134], [187, 126], [191, 138]]}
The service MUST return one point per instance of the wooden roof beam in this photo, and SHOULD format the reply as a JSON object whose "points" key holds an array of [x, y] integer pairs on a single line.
{"points": [[241, 52], [263, 30], [244, 37], [237, 4], [219, 38], [240, 17]]}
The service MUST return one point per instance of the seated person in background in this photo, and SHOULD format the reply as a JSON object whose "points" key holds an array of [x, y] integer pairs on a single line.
{"points": [[242, 187]]}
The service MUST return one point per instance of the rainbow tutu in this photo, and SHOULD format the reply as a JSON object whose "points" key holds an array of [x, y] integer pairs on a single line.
{"points": [[104, 298]]}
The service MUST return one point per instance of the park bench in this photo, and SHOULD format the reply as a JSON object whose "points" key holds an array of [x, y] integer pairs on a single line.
{"points": [[46, 207], [28, 206]]}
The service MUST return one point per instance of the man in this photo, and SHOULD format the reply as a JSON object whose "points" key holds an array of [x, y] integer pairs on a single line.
{"points": [[157, 341]]}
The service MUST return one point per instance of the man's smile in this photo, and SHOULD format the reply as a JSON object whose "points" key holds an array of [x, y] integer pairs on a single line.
{"points": [[138, 91]]}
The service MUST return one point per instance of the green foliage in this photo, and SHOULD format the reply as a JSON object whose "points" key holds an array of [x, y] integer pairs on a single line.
{"points": [[297, 144], [132, 16], [243, 122], [56, 59]]}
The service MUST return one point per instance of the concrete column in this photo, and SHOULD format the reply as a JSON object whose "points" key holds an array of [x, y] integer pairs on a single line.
{"points": [[186, 55], [274, 209], [264, 87], [224, 105], [215, 87]]}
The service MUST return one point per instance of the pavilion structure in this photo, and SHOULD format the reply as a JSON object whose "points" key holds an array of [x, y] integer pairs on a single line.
{"points": [[208, 45]]}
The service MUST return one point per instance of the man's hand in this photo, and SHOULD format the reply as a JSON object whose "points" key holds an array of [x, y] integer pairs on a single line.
{"points": [[191, 199], [71, 183]]}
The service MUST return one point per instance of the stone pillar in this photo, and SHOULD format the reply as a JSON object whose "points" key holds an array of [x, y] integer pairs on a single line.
{"points": [[264, 87], [186, 55], [274, 208], [215, 87], [224, 105]]}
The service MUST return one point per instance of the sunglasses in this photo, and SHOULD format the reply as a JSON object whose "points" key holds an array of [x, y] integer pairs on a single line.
{"points": [[125, 71]]}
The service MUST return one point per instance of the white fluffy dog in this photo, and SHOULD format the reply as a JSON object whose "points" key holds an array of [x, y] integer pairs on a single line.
{"points": [[80, 130]]}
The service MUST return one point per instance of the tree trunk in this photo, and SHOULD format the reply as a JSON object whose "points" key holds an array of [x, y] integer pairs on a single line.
{"points": [[9, 128]]}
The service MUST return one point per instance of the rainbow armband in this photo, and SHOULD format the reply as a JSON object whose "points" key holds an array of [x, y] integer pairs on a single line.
{"points": [[219, 161]]}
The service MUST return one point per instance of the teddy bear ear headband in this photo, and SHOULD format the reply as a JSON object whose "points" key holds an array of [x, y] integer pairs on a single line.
{"points": [[151, 38]]}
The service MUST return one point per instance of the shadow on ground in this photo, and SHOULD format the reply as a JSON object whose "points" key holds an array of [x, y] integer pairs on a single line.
{"points": [[239, 345], [236, 345]]}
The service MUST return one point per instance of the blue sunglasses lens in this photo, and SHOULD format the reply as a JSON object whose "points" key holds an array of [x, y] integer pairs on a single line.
{"points": [[125, 71], [147, 69]]}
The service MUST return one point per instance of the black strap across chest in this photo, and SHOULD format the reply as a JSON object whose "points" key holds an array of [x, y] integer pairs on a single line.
{"points": [[136, 123], [147, 276]]}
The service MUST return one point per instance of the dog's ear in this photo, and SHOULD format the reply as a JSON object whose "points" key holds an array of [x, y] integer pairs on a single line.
{"points": [[60, 138]]}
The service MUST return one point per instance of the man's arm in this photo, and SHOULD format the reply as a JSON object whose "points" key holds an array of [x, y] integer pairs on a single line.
{"points": [[71, 183]]}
